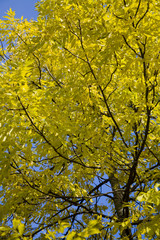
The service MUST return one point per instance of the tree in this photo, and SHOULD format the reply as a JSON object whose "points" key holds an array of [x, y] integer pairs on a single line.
{"points": [[80, 121]]}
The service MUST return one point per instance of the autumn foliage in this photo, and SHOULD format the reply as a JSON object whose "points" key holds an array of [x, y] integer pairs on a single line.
{"points": [[80, 121]]}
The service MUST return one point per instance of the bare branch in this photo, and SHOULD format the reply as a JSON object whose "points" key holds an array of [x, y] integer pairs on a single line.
{"points": [[139, 3], [143, 15], [51, 75], [137, 54]]}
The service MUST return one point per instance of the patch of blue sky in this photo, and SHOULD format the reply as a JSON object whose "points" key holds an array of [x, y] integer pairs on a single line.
{"points": [[25, 8]]}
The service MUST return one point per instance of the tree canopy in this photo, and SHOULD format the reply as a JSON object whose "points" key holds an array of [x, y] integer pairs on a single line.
{"points": [[80, 121]]}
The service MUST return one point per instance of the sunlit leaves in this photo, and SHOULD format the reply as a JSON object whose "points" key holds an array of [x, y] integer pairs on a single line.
{"points": [[80, 119]]}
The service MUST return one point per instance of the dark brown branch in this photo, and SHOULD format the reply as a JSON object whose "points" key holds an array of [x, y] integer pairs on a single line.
{"points": [[112, 72], [158, 160], [73, 54], [51, 75], [137, 54], [38, 61], [143, 15], [138, 152], [105, 100], [110, 79], [5, 56], [118, 16], [111, 115], [139, 3], [71, 160], [39, 68], [124, 1], [83, 75]]}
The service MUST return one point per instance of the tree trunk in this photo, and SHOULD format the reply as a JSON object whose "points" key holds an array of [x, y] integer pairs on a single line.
{"points": [[122, 212]]}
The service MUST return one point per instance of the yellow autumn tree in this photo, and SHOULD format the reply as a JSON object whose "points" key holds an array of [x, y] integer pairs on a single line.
{"points": [[80, 121]]}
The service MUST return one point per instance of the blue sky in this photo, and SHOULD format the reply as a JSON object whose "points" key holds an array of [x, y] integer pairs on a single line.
{"points": [[25, 8]]}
